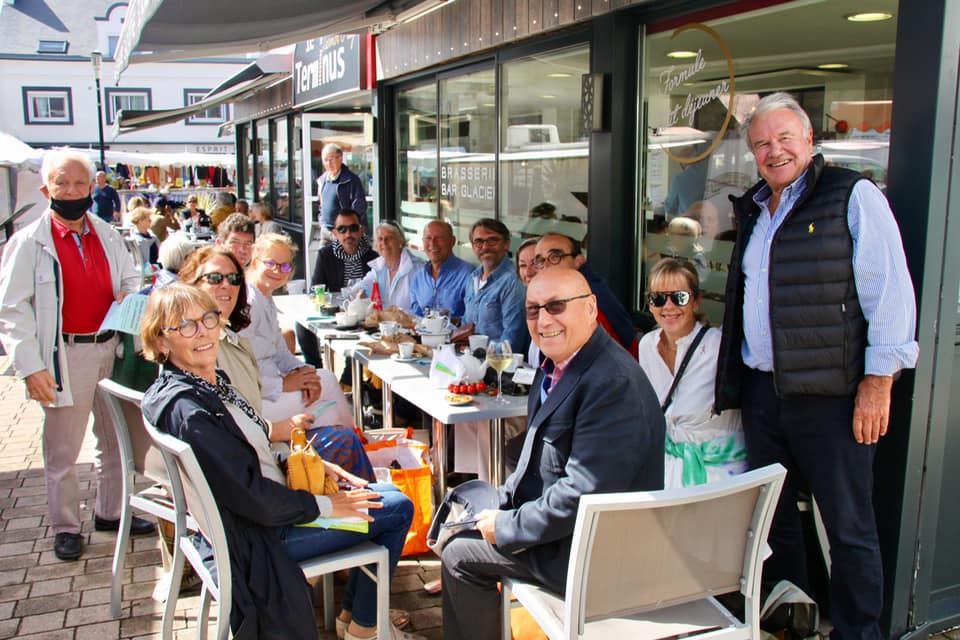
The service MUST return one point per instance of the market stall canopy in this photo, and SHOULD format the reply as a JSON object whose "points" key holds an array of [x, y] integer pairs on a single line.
{"points": [[14, 152], [264, 72], [159, 30], [163, 159]]}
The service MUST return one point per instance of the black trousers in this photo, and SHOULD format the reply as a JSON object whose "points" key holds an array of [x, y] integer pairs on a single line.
{"points": [[812, 436], [309, 346], [471, 569]]}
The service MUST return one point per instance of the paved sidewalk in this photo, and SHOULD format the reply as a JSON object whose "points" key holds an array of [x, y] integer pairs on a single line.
{"points": [[43, 597]]}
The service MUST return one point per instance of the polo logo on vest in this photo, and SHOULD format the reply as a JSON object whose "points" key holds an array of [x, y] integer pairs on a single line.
{"points": [[810, 228]]}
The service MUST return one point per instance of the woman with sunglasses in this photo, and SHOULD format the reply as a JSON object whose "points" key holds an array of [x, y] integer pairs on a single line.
{"points": [[700, 446], [193, 401], [393, 269], [290, 387]]}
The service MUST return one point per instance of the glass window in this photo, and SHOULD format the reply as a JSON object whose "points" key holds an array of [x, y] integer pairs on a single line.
{"points": [[281, 169], [417, 158], [126, 100], [47, 105], [245, 154], [263, 161], [544, 156], [213, 115], [695, 156], [468, 145], [296, 171]]}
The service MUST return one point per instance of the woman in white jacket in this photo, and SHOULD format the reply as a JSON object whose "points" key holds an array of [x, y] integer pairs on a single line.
{"points": [[394, 269]]}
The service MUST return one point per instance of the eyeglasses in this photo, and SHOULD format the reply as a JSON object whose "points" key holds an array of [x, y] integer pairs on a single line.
{"points": [[679, 298], [285, 267], [489, 241], [216, 278], [188, 328], [234, 242], [344, 228], [553, 257], [554, 307]]}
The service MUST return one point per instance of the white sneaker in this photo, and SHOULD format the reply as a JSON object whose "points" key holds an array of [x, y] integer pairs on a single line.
{"points": [[395, 634]]}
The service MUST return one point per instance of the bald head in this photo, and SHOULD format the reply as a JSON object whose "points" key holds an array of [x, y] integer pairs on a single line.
{"points": [[438, 242], [558, 250], [559, 335]]}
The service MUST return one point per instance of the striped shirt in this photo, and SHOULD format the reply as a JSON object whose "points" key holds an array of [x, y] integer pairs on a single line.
{"points": [[879, 270]]}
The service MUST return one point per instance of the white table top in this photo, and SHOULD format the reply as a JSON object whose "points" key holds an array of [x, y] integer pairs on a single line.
{"points": [[419, 391]]}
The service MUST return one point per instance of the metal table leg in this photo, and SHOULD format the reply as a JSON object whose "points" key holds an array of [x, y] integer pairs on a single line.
{"points": [[387, 406], [497, 444], [440, 458], [328, 355], [356, 386]]}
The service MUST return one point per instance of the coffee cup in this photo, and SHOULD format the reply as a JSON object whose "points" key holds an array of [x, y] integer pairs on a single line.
{"points": [[389, 328], [436, 324], [406, 350], [344, 319], [478, 341]]}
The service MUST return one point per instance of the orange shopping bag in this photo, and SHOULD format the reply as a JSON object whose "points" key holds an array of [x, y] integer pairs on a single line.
{"points": [[409, 463]]}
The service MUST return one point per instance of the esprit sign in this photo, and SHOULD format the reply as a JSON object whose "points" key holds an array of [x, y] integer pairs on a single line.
{"points": [[327, 66], [676, 76]]}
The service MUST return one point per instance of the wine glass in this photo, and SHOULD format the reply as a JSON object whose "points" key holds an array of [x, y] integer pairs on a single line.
{"points": [[499, 356]]}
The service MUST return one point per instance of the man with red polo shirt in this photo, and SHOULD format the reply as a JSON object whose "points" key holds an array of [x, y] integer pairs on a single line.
{"points": [[58, 278]]}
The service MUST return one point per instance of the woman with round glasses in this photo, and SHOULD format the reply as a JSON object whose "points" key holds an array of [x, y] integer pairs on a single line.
{"points": [[192, 401], [700, 446], [393, 269], [289, 386]]}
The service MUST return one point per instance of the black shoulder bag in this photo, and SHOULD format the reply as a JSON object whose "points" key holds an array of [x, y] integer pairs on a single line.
{"points": [[683, 367]]}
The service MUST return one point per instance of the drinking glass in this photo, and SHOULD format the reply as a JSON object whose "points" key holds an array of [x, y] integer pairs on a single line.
{"points": [[499, 356]]}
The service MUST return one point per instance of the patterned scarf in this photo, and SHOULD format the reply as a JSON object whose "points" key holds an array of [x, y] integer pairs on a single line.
{"points": [[353, 266], [228, 394]]}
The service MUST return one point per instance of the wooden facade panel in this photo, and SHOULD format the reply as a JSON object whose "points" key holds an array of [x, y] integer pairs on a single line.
{"points": [[496, 21], [535, 13], [486, 30], [600, 7], [523, 18], [509, 20], [583, 9], [566, 11], [551, 15]]}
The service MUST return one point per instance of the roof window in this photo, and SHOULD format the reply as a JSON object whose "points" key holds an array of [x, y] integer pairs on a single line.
{"points": [[52, 46]]}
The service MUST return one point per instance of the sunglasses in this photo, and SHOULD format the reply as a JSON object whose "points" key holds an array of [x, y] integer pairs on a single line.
{"points": [[189, 328], [554, 307], [679, 298], [351, 228], [216, 278], [285, 267]]}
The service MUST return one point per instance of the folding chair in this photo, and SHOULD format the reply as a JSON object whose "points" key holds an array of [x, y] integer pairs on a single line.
{"points": [[191, 494], [648, 564], [137, 456]]}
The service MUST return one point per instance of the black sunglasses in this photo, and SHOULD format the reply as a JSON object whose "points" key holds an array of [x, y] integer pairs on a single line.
{"points": [[216, 278], [554, 307], [679, 298], [352, 228]]}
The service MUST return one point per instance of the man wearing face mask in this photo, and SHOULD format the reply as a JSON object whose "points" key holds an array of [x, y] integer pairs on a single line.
{"points": [[58, 278]]}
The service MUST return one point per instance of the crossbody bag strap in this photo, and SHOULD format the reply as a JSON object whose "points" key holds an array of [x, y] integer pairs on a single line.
{"points": [[683, 367]]}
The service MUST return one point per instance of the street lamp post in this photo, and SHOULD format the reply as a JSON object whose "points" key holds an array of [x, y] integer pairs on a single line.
{"points": [[97, 59]]}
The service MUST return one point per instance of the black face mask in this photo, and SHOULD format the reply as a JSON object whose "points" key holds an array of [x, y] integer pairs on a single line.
{"points": [[71, 209]]}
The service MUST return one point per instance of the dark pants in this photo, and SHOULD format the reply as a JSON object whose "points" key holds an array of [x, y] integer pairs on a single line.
{"points": [[309, 346], [471, 569], [812, 436]]}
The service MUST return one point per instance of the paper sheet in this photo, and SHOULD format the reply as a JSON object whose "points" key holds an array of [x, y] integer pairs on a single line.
{"points": [[125, 316]]}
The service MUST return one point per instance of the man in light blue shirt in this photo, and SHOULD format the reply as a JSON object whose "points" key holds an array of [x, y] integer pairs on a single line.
{"points": [[441, 283], [820, 316], [495, 296]]}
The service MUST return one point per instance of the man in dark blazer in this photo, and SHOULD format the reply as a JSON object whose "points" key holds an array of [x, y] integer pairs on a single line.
{"points": [[595, 427]]}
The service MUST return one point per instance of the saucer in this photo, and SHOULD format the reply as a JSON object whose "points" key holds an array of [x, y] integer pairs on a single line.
{"points": [[396, 358]]}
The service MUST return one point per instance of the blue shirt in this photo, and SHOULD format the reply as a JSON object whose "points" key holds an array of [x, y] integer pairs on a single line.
{"points": [[497, 307], [879, 270], [446, 292], [106, 200]]}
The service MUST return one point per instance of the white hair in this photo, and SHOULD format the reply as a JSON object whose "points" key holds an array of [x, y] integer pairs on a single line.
{"points": [[52, 160], [395, 229], [174, 251], [775, 102], [331, 147]]}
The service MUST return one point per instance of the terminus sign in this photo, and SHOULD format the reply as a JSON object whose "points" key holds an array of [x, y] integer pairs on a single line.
{"points": [[328, 66]]}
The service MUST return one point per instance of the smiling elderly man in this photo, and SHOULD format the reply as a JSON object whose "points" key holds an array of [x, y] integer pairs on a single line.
{"points": [[58, 278], [820, 315], [595, 427], [442, 282]]}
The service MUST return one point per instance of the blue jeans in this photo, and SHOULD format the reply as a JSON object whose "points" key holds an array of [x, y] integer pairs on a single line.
{"points": [[389, 529]]}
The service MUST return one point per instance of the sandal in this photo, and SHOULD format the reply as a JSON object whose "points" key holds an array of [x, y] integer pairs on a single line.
{"points": [[433, 587], [399, 618], [395, 634]]}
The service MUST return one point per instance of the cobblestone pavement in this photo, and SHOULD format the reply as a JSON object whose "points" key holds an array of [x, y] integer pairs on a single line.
{"points": [[43, 597]]}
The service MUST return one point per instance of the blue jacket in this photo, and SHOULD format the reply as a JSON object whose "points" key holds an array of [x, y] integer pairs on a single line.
{"points": [[497, 309], [346, 192], [446, 292]]}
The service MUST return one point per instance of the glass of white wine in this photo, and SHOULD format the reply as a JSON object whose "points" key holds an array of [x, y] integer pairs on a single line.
{"points": [[499, 356]]}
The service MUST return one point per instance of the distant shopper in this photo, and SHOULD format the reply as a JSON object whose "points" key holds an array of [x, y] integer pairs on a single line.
{"points": [[146, 242], [106, 200], [262, 214]]}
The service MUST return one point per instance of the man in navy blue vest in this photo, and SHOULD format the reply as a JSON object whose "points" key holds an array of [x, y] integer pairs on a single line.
{"points": [[820, 316], [339, 189]]}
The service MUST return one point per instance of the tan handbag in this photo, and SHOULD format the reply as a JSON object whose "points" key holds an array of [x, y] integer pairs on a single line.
{"points": [[305, 469]]}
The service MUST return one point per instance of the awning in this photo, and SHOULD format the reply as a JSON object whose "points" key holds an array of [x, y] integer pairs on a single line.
{"points": [[258, 75], [159, 30]]}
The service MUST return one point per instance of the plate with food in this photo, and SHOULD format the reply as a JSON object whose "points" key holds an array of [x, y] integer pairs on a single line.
{"points": [[457, 399]]}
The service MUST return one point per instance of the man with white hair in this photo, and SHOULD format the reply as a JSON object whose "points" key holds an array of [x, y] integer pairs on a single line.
{"points": [[58, 278], [339, 189]]}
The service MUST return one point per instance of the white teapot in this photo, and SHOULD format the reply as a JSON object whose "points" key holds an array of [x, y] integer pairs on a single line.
{"points": [[360, 307]]}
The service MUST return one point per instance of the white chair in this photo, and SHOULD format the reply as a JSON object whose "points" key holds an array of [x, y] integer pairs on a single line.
{"points": [[647, 564], [192, 495], [137, 456]]}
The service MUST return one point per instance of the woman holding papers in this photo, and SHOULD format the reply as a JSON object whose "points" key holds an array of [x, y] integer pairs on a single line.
{"points": [[193, 400], [218, 272]]}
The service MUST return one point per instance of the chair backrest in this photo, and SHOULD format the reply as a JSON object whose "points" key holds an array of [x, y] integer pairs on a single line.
{"points": [[192, 495], [640, 551], [136, 447]]}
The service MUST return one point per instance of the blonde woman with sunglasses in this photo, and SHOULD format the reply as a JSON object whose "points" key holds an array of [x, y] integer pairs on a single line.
{"points": [[700, 446]]}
